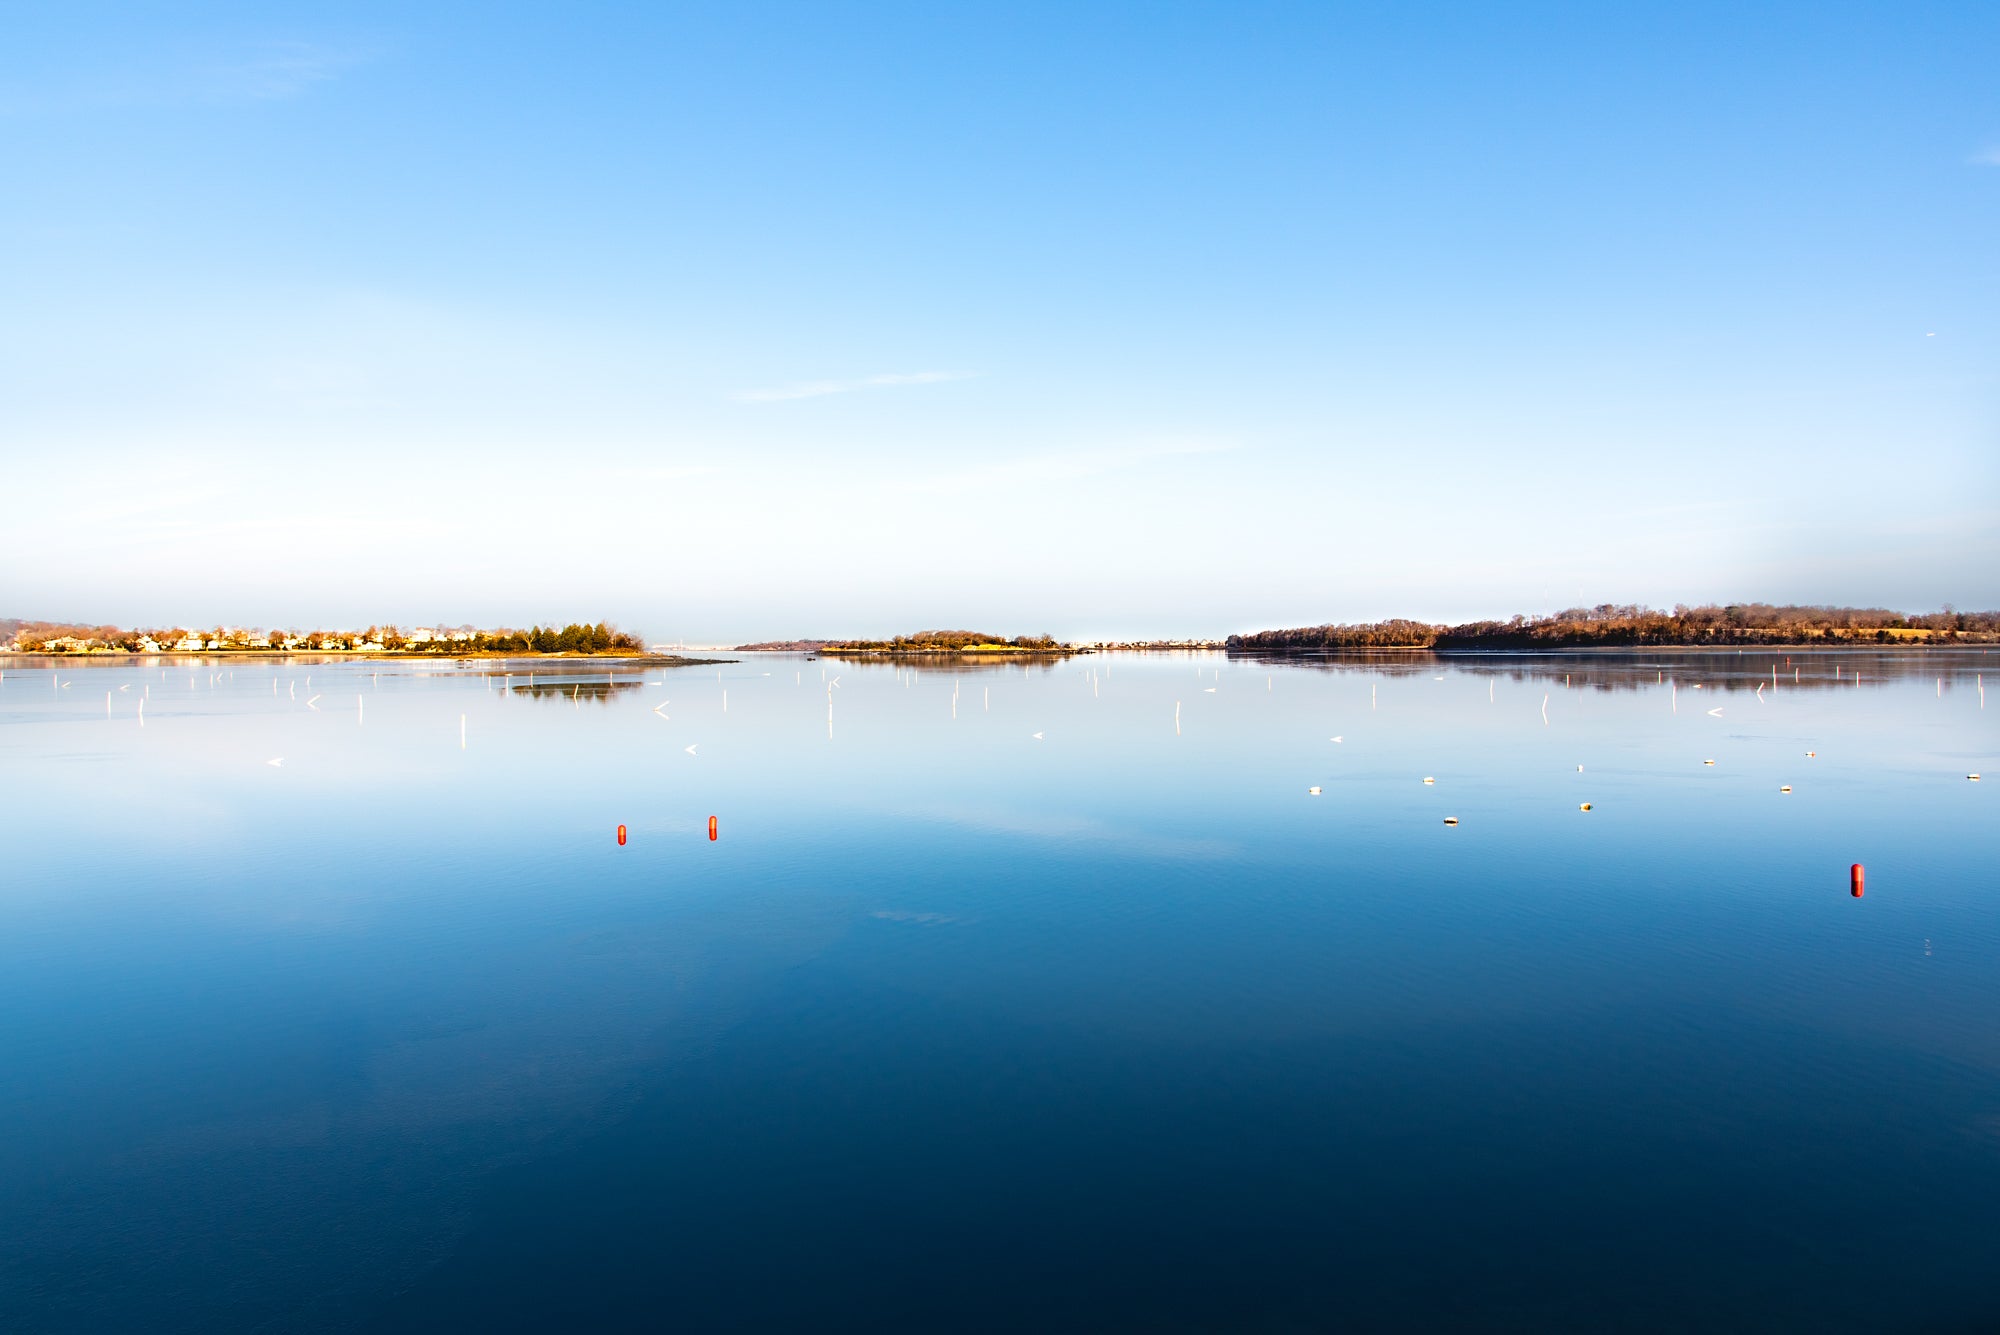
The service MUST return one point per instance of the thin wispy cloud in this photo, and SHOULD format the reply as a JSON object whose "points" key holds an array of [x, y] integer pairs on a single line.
{"points": [[1987, 157], [813, 389], [280, 70], [261, 72]]}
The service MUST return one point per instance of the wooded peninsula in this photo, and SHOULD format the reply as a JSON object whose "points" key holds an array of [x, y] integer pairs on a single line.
{"points": [[1613, 625]]}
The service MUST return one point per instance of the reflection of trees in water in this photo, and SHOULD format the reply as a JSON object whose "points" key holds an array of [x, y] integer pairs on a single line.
{"points": [[948, 665], [1633, 671], [578, 691]]}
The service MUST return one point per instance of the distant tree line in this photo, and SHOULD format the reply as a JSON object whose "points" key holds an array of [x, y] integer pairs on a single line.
{"points": [[1393, 634], [571, 639], [1613, 624], [65, 637], [946, 642], [32, 636]]}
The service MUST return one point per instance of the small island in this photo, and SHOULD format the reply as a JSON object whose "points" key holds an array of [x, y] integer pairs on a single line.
{"points": [[927, 644]]}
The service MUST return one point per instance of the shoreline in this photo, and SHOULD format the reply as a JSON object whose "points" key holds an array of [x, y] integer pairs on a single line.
{"points": [[1813, 647], [944, 653], [363, 656]]}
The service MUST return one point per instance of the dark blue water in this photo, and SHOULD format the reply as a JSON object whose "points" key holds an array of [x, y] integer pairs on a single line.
{"points": [[955, 1027]]}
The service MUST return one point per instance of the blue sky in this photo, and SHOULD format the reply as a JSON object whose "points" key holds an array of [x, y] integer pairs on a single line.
{"points": [[741, 320]]}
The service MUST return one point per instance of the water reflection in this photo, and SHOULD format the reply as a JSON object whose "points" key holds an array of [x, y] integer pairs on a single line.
{"points": [[1155, 978], [1616, 670], [575, 691], [949, 665]]}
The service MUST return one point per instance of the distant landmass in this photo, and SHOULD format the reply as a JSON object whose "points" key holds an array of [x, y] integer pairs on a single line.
{"points": [[1611, 625], [970, 642], [1607, 625], [928, 642], [55, 637]]}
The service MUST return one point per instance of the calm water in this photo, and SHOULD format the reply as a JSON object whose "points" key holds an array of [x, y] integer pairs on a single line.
{"points": [[959, 1027]]}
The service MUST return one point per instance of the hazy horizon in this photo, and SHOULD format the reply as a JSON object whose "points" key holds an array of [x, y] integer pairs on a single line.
{"points": [[1085, 636], [761, 322]]}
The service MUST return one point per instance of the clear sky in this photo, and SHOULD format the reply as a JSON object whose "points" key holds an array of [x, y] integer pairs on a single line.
{"points": [[734, 319]]}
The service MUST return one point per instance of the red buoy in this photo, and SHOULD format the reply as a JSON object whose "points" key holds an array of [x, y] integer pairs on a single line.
{"points": [[621, 836], [1855, 876], [711, 829]]}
